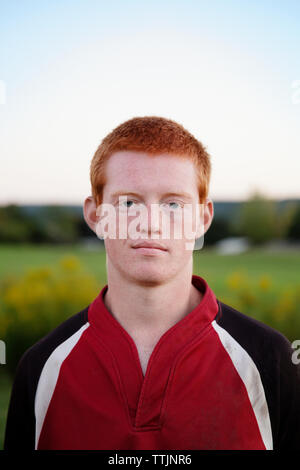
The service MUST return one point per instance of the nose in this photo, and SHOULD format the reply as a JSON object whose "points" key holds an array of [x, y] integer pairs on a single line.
{"points": [[150, 220]]}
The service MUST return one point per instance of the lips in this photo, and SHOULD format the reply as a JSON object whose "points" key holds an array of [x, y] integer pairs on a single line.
{"points": [[150, 245]]}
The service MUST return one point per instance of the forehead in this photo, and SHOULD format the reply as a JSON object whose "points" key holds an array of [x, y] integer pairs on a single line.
{"points": [[141, 172]]}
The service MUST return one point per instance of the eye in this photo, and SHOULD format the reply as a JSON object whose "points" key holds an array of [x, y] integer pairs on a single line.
{"points": [[176, 204], [127, 204], [172, 205]]}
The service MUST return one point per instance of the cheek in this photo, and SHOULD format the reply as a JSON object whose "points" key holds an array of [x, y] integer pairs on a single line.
{"points": [[115, 248], [123, 224], [183, 249], [183, 228]]}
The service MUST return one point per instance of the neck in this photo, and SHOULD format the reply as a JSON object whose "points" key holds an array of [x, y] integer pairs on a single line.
{"points": [[148, 312]]}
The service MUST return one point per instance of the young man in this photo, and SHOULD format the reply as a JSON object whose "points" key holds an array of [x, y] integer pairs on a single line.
{"points": [[156, 361]]}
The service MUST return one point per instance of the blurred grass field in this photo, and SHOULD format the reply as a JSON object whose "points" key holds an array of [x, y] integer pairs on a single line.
{"points": [[282, 267]]}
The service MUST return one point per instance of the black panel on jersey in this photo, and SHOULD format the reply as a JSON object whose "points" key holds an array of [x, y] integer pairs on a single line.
{"points": [[272, 354], [20, 427]]}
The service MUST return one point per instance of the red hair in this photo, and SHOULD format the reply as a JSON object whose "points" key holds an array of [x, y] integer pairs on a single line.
{"points": [[153, 135]]}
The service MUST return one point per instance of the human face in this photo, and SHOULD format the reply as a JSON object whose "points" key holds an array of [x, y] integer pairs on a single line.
{"points": [[151, 178]]}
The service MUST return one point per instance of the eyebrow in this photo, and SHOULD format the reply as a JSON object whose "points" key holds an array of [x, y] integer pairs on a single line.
{"points": [[130, 193]]}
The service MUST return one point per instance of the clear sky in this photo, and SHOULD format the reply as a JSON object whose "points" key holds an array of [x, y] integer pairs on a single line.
{"points": [[72, 70]]}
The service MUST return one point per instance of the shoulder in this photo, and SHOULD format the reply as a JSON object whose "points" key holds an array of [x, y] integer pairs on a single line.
{"points": [[35, 357], [20, 427], [257, 347], [262, 342]]}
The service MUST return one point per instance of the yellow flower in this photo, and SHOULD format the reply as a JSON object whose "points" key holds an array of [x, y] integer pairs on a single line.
{"points": [[69, 263], [13, 295], [38, 274], [236, 280], [265, 282], [286, 305]]}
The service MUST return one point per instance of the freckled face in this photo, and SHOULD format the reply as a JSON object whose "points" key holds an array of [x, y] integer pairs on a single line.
{"points": [[152, 179]]}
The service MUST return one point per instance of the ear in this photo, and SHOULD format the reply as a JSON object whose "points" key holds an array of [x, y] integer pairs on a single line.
{"points": [[205, 217], [90, 213]]}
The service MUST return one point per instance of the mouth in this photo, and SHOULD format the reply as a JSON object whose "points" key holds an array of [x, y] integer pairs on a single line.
{"points": [[149, 249]]}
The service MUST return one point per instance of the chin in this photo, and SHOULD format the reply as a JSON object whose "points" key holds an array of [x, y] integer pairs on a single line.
{"points": [[149, 277]]}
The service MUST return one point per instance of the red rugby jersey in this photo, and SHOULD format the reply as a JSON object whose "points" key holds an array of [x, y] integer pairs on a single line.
{"points": [[217, 379]]}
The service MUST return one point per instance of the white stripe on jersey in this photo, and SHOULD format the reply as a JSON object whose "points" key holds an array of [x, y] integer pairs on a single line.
{"points": [[250, 376], [49, 376]]}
